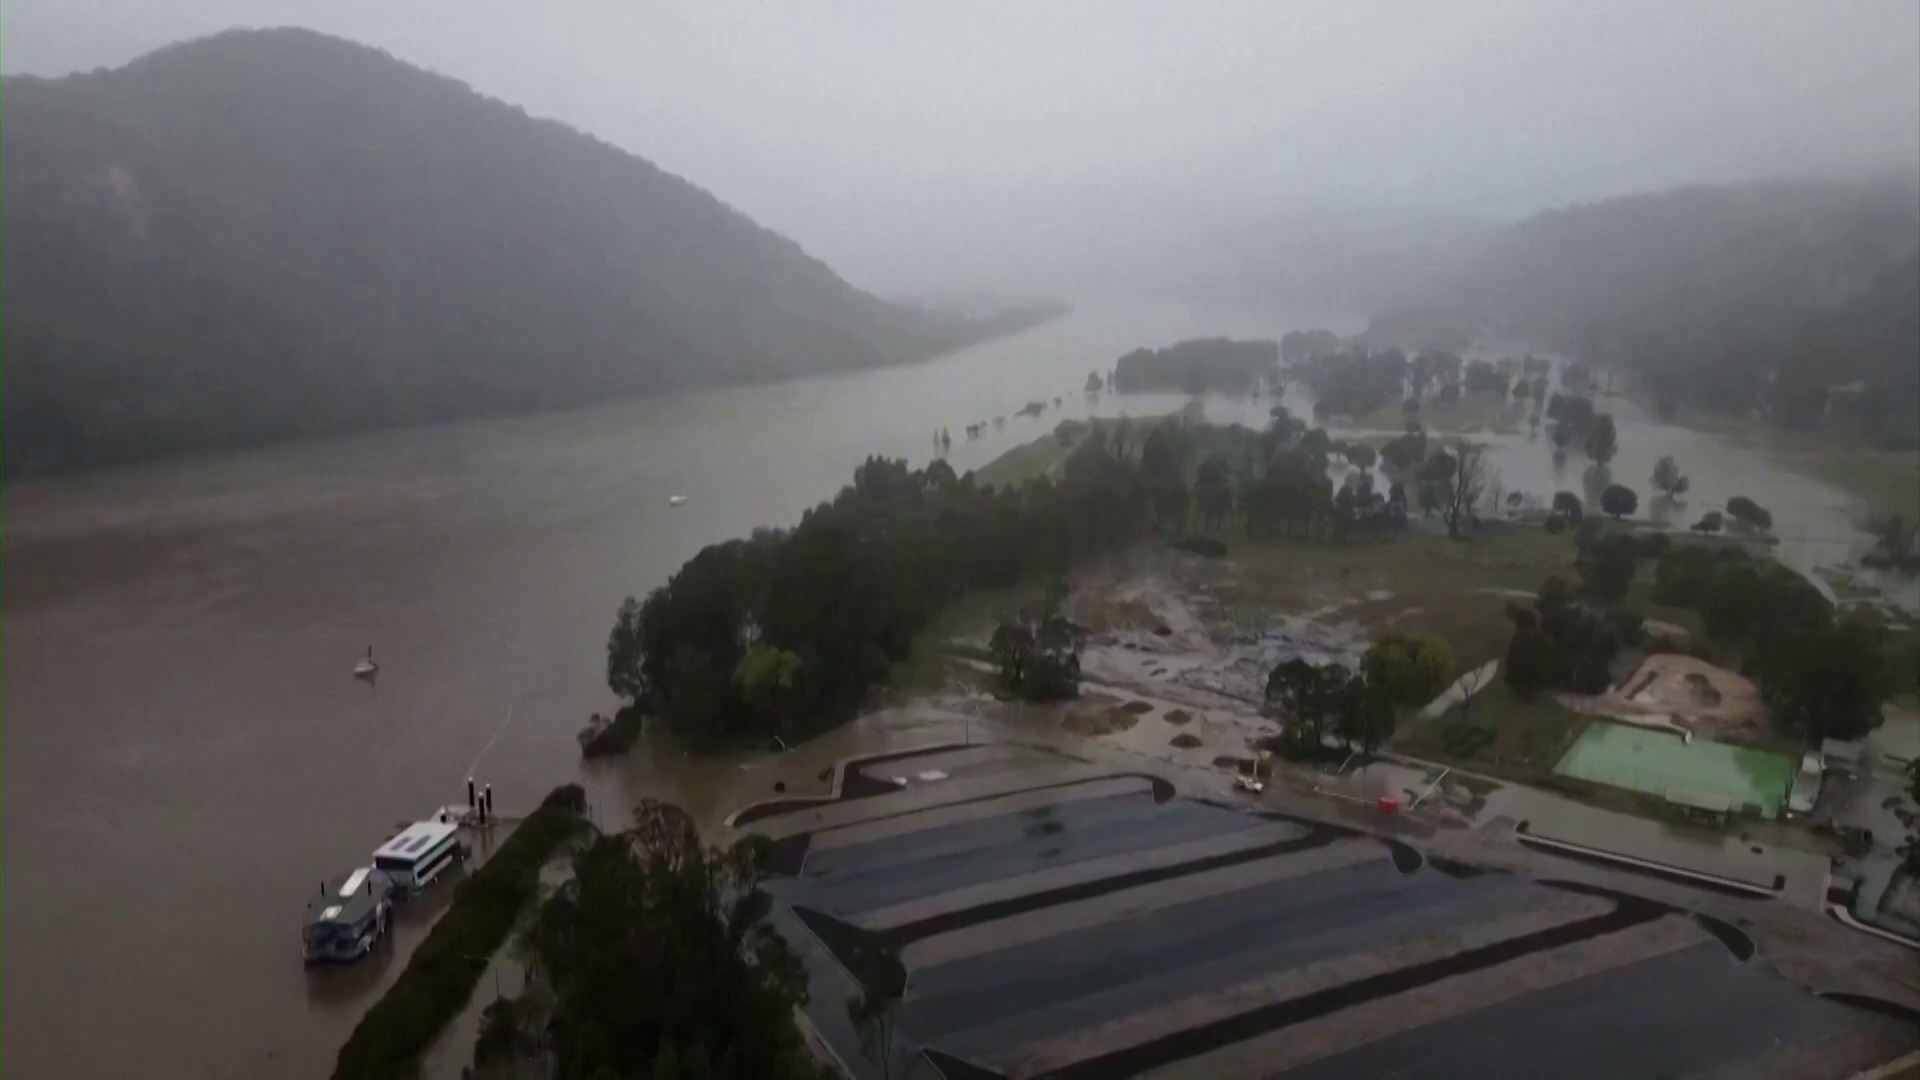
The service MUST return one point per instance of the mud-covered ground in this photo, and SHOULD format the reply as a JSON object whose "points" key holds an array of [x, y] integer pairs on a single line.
{"points": [[1177, 624]]}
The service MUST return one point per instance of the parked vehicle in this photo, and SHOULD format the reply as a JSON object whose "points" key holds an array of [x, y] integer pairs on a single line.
{"points": [[349, 917], [419, 853]]}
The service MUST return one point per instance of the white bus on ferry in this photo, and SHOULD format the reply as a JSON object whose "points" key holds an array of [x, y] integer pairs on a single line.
{"points": [[420, 853]]}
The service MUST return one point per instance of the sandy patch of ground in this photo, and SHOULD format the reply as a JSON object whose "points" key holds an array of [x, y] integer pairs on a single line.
{"points": [[1094, 720], [1138, 723], [1683, 693]]}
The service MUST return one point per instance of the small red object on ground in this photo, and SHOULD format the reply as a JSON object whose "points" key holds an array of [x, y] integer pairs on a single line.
{"points": [[1389, 805]]}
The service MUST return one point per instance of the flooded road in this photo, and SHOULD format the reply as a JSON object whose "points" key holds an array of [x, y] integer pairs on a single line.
{"points": [[186, 755]]}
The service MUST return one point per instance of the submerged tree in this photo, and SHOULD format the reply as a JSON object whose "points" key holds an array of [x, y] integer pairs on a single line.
{"points": [[1618, 500], [1748, 513], [1463, 488], [1160, 472], [1602, 440], [1213, 490], [1667, 479]]}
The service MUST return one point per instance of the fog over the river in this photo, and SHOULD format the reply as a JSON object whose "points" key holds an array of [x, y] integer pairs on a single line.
{"points": [[926, 145]]}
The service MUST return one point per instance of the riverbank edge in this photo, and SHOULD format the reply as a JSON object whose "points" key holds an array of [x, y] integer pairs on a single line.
{"points": [[1010, 324], [1879, 478], [440, 976]]}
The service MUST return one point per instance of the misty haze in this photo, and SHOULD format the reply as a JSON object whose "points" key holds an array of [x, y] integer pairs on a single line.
{"points": [[899, 539]]}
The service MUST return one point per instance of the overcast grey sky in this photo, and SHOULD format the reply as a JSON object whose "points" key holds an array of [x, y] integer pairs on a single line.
{"points": [[908, 141]]}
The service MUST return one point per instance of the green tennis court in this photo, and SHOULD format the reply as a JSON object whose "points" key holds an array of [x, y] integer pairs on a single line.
{"points": [[1659, 763]]}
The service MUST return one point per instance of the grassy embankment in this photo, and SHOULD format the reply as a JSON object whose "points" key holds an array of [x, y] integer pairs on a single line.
{"points": [[1886, 481], [440, 976], [1473, 414], [1040, 457]]}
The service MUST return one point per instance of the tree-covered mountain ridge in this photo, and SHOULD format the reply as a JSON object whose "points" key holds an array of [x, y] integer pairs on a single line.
{"points": [[267, 234], [1732, 298]]}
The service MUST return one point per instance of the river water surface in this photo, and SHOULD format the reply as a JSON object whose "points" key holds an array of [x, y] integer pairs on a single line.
{"points": [[185, 755]]}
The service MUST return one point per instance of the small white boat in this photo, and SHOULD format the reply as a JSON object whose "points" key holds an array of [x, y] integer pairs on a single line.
{"points": [[365, 667], [676, 500]]}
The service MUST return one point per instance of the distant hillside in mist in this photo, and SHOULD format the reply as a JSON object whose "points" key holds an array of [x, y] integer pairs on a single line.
{"points": [[267, 234], [1733, 298], [1356, 259], [1761, 257]]}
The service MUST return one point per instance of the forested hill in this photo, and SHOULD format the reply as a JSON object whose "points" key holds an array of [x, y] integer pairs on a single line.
{"points": [[265, 234], [1740, 297]]}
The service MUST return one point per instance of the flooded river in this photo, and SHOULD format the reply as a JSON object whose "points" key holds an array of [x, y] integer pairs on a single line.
{"points": [[186, 756]]}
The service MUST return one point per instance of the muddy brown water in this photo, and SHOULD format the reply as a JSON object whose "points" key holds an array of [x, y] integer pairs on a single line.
{"points": [[185, 754]]}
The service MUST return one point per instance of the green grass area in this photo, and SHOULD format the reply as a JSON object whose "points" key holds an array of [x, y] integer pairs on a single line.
{"points": [[1033, 460], [1437, 585], [1499, 734], [956, 635], [1028, 461], [1473, 414], [1888, 481], [440, 976], [1457, 589], [1661, 763]]}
